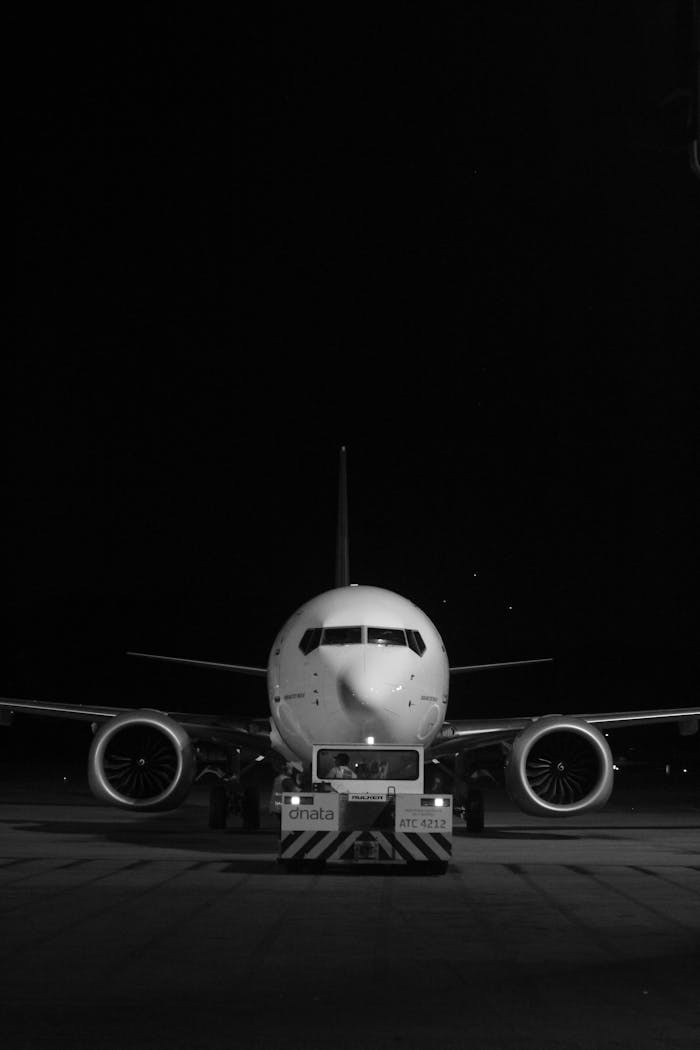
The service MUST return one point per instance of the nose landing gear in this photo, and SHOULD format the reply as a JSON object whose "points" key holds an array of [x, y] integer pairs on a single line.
{"points": [[474, 810]]}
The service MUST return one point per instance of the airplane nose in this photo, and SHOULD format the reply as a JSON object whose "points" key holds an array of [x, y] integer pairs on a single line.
{"points": [[361, 687]]}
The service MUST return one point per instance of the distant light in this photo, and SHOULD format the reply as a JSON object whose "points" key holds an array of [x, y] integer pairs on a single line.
{"points": [[616, 768], [685, 770], [510, 607], [260, 758], [434, 761], [354, 585], [439, 801], [296, 800], [370, 739], [66, 778], [474, 575]]}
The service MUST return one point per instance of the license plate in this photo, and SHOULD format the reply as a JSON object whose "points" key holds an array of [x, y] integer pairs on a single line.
{"points": [[366, 851]]}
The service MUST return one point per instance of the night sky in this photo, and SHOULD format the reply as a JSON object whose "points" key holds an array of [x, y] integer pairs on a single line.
{"points": [[460, 239]]}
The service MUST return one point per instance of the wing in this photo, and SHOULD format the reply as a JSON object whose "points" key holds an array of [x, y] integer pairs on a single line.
{"points": [[239, 732], [470, 668], [211, 665], [469, 734]]}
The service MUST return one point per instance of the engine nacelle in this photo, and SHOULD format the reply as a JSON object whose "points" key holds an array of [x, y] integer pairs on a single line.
{"points": [[559, 766], [141, 760]]}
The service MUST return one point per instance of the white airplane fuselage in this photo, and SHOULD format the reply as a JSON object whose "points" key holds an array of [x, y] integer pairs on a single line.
{"points": [[353, 664]]}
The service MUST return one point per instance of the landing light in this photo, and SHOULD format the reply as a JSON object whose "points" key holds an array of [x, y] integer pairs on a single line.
{"points": [[439, 801], [370, 739], [295, 800]]}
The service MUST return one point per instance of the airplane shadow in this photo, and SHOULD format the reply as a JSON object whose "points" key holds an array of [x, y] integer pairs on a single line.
{"points": [[151, 835], [514, 834], [155, 833], [522, 834]]}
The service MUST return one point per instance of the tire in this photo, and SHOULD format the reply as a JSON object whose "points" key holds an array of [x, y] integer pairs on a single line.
{"points": [[474, 811], [218, 806], [250, 808]]}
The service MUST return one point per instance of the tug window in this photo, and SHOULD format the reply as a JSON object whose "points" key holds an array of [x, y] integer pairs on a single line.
{"points": [[415, 642], [386, 636], [310, 640], [341, 636], [367, 764]]}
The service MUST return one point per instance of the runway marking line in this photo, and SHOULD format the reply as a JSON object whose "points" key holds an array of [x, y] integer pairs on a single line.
{"points": [[96, 912], [607, 946], [630, 897]]}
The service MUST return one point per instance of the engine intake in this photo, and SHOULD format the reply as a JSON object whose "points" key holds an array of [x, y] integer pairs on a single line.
{"points": [[141, 760], [559, 766]]}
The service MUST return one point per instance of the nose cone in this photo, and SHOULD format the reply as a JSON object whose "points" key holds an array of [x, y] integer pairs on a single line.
{"points": [[370, 685]]}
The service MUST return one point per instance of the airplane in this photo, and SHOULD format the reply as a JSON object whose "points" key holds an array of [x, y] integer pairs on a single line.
{"points": [[354, 665]]}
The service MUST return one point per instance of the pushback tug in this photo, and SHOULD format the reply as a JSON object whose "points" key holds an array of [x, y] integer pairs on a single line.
{"points": [[366, 807]]}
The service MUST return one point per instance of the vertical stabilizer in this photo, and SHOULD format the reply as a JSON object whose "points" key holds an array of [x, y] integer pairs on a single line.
{"points": [[342, 550]]}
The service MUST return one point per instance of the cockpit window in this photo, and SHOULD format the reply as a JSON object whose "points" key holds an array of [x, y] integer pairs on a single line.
{"points": [[415, 642], [386, 635], [310, 640], [341, 636], [315, 636]]}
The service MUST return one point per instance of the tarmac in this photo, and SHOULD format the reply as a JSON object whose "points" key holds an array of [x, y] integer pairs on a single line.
{"points": [[124, 932]]}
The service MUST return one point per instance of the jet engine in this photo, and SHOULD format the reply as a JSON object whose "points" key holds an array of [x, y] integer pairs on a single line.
{"points": [[559, 766], [141, 760]]}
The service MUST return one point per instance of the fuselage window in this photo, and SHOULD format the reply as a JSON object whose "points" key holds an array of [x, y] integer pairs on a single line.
{"points": [[310, 640], [415, 642], [386, 636], [341, 636]]}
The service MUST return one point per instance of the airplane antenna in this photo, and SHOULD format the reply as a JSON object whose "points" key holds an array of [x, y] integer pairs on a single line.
{"points": [[342, 549]]}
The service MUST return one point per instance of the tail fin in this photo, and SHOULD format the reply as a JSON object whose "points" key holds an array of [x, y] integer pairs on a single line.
{"points": [[342, 549]]}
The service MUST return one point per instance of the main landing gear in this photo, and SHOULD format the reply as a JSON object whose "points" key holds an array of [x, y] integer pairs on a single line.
{"points": [[474, 810], [229, 797], [470, 799], [231, 792]]}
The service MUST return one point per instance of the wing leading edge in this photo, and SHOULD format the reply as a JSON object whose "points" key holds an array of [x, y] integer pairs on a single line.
{"points": [[468, 734], [240, 732]]}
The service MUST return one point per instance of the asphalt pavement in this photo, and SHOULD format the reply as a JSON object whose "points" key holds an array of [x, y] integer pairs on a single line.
{"points": [[149, 931]]}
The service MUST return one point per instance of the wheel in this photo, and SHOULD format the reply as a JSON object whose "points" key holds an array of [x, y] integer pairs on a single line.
{"points": [[218, 806], [474, 810], [250, 808]]}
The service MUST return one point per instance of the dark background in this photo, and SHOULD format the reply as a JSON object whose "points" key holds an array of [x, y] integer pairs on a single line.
{"points": [[460, 239]]}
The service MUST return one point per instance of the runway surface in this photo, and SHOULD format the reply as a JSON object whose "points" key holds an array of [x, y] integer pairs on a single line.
{"points": [[122, 931]]}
